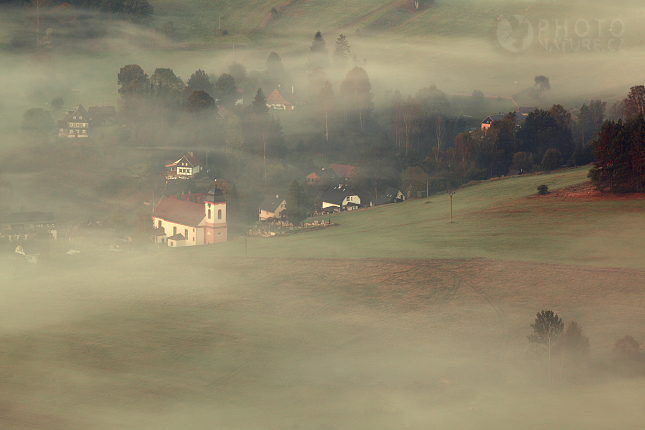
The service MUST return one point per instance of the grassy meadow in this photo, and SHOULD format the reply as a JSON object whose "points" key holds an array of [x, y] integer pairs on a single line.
{"points": [[393, 318]]}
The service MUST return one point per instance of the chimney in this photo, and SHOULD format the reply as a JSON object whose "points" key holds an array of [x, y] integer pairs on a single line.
{"points": [[191, 154], [277, 196]]}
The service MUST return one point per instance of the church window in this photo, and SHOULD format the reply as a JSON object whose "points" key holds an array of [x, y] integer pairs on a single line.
{"points": [[219, 214]]}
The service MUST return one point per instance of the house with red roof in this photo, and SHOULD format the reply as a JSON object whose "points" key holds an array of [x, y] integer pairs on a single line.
{"points": [[186, 167], [282, 99], [343, 171], [179, 222]]}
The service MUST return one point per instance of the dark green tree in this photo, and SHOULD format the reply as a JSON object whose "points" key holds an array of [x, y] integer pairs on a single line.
{"points": [[130, 74], [199, 82], [225, 89], [341, 51], [552, 159], [547, 329], [57, 103], [296, 203], [634, 103], [37, 121], [199, 101], [357, 92]]}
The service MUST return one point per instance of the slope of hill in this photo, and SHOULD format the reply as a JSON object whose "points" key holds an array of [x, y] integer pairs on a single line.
{"points": [[495, 219]]}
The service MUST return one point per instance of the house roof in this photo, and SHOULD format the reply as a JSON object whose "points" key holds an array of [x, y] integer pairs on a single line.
{"points": [[342, 170], [337, 194], [271, 203], [499, 117], [27, 217], [388, 197], [177, 236], [80, 113], [190, 158], [281, 95], [179, 211], [322, 173]]}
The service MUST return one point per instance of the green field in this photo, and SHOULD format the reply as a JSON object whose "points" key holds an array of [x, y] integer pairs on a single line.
{"points": [[393, 318]]}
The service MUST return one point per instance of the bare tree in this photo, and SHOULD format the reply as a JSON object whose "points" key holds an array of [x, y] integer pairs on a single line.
{"points": [[439, 129], [326, 98], [409, 114], [36, 6]]}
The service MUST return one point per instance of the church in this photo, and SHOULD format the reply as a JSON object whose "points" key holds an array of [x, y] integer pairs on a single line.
{"points": [[179, 222]]}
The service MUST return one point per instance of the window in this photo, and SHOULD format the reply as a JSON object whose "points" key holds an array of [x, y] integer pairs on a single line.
{"points": [[219, 233], [159, 223], [186, 234], [219, 214], [174, 231], [209, 214]]}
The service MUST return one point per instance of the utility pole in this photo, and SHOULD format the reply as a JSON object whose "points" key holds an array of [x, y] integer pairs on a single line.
{"points": [[450, 193]]}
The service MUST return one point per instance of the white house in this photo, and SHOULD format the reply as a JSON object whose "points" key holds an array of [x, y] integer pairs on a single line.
{"points": [[340, 198], [186, 167]]}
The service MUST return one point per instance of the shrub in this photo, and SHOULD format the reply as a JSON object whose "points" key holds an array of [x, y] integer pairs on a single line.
{"points": [[542, 189], [552, 159], [626, 349]]}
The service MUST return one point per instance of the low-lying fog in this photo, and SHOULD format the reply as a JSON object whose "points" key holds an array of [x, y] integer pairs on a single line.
{"points": [[169, 339]]}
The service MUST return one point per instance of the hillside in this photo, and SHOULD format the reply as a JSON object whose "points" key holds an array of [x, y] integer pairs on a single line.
{"points": [[501, 219]]}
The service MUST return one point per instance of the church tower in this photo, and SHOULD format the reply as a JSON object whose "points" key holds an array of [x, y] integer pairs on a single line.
{"points": [[215, 229]]}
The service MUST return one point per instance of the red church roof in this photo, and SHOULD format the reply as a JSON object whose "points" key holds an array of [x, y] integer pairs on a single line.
{"points": [[179, 211]]}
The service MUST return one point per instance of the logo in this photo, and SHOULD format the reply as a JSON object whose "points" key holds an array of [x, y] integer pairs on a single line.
{"points": [[515, 34]]}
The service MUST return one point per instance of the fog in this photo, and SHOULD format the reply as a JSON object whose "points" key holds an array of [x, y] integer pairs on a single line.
{"points": [[129, 334]]}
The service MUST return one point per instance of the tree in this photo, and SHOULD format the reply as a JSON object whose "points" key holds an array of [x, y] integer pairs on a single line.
{"points": [[275, 74], [129, 74], [259, 106], [573, 347], [552, 159], [57, 103], [168, 30], [341, 51], [199, 82], [620, 155], [36, 6], [547, 329], [238, 72], [225, 89], [542, 82], [318, 44], [522, 162], [166, 85], [199, 101], [326, 98], [432, 100], [478, 99], [590, 119], [357, 90], [234, 136], [413, 179], [634, 102], [37, 121], [296, 203], [409, 116], [627, 349]]}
